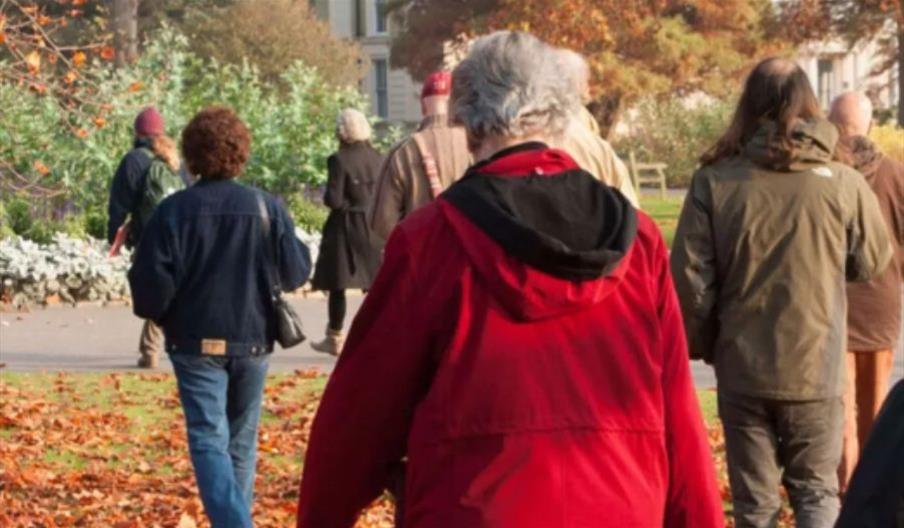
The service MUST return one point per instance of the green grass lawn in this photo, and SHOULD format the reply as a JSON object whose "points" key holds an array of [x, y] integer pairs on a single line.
{"points": [[664, 212]]}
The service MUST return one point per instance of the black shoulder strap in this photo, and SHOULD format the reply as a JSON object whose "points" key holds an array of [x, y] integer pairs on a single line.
{"points": [[272, 262], [143, 182]]}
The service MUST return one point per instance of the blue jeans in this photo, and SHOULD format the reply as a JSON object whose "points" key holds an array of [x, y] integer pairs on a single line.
{"points": [[221, 398]]}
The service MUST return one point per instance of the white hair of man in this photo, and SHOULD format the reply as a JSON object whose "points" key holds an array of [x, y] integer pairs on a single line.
{"points": [[514, 85], [852, 112], [574, 64], [352, 126]]}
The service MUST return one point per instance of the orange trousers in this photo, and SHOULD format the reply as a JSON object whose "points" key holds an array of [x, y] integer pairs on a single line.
{"points": [[868, 375]]}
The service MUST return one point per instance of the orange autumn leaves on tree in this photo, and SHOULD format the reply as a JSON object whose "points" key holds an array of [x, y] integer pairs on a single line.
{"points": [[634, 47], [36, 57]]}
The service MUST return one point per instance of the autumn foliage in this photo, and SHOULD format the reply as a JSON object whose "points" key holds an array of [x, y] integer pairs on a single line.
{"points": [[634, 47], [33, 59]]}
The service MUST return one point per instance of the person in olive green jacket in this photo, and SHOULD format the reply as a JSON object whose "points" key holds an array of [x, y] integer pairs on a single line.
{"points": [[770, 230]]}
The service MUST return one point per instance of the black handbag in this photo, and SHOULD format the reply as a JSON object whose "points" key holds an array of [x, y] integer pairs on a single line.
{"points": [[289, 331]]}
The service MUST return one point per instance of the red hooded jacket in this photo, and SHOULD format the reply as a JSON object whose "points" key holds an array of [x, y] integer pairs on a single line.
{"points": [[530, 363]]}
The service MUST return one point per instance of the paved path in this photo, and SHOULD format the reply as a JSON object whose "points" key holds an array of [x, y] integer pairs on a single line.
{"points": [[93, 339]]}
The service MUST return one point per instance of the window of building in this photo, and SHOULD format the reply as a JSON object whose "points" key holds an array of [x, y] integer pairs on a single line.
{"points": [[382, 23], [826, 81], [381, 87]]}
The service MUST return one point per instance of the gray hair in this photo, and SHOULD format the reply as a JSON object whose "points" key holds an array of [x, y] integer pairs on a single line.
{"points": [[512, 84], [575, 66], [352, 126]]}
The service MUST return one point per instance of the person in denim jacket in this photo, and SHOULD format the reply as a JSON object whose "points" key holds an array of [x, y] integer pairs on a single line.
{"points": [[203, 272]]}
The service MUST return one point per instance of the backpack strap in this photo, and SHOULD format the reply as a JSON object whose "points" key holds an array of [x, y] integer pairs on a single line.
{"points": [[139, 196], [430, 167]]}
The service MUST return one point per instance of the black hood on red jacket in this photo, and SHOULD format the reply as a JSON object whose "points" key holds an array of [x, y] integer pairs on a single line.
{"points": [[542, 209]]}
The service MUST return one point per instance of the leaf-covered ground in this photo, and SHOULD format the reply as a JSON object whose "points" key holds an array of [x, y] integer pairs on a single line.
{"points": [[110, 450]]}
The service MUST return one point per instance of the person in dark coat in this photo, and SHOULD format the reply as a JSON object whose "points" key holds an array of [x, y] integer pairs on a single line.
{"points": [[349, 253], [206, 269], [128, 202], [875, 498]]}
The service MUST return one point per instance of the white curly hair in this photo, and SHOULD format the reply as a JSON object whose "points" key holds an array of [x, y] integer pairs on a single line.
{"points": [[513, 84], [352, 126]]}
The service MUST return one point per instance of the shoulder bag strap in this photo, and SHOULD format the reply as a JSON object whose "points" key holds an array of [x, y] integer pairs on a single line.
{"points": [[430, 167], [272, 263]]}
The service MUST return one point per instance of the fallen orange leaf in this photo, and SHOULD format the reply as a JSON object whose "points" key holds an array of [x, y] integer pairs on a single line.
{"points": [[33, 61], [40, 167]]}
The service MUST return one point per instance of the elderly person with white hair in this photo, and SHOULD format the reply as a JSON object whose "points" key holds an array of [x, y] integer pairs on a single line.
{"points": [[522, 345], [583, 142], [349, 255]]}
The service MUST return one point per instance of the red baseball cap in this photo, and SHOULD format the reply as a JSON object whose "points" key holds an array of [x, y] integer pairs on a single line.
{"points": [[149, 123], [437, 83]]}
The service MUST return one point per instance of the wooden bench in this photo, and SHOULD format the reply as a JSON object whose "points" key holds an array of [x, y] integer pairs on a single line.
{"points": [[646, 173]]}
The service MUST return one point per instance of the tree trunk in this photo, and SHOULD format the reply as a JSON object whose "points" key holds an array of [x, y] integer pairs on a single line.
{"points": [[901, 75], [125, 30], [606, 110]]}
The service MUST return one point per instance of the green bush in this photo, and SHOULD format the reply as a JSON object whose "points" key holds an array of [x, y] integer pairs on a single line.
{"points": [[675, 133], [95, 222], [17, 213], [308, 215], [293, 128], [5, 230]]}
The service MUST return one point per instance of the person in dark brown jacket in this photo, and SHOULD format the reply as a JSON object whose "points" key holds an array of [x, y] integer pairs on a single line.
{"points": [[349, 253], [422, 165], [770, 229], [874, 308]]}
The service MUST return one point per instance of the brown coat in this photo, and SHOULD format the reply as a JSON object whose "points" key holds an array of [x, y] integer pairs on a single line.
{"points": [[760, 259], [403, 185], [874, 308]]}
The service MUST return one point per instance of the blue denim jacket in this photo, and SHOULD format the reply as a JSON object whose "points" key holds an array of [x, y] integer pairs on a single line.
{"points": [[202, 270]]}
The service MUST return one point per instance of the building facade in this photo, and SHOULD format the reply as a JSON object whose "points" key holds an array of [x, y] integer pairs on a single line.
{"points": [[393, 94], [833, 68]]}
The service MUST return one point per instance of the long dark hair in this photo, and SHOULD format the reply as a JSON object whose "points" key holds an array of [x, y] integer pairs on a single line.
{"points": [[777, 91]]}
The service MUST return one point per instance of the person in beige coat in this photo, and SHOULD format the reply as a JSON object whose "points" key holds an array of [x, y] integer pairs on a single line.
{"points": [[422, 165], [582, 139]]}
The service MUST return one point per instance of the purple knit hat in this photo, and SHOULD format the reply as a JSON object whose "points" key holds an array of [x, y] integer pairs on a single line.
{"points": [[149, 123]]}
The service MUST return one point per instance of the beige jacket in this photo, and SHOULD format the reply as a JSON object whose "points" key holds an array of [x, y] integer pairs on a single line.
{"points": [[403, 185], [595, 155]]}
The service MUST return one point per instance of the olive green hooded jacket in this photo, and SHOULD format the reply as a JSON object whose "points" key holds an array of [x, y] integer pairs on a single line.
{"points": [[760, 259]]}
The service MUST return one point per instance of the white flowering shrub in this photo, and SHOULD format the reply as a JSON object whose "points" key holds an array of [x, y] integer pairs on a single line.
{"points": [[312, 240], [73, 269]]}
